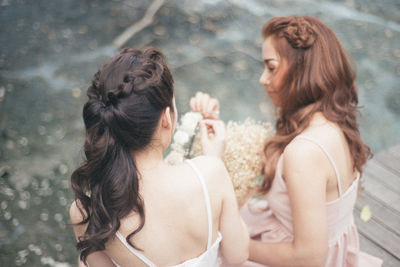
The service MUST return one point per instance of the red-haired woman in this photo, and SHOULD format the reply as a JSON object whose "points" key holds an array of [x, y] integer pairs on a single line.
{"points": [[314, 161]]}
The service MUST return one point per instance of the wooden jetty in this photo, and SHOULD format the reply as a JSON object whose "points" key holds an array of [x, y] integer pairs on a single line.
{"points": [[380, 236]]}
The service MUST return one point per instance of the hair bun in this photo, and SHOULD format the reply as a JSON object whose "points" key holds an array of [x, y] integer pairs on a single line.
{"points": [[300, 34]]}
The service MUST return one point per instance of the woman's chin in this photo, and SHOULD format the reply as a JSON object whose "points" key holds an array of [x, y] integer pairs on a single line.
{"points": [[274, 98]]}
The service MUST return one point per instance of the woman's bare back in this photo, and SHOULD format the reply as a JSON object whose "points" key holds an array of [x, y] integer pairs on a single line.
{"points": [[176, 218]]}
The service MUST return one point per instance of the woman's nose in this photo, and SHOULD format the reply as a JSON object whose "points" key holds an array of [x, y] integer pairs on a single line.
{"points": [[264, 79]]}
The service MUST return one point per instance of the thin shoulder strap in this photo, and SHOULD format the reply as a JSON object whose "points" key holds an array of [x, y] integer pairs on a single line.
{"points": [[115, 263], [134, 251], [329, 157], [207, 199]]}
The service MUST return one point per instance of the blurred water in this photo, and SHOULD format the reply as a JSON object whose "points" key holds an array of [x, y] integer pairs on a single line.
{"points": [[50, 50]]}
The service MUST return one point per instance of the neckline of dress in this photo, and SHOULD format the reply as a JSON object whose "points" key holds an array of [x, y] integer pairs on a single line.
{"points": [[216, 242], [130, 248]]}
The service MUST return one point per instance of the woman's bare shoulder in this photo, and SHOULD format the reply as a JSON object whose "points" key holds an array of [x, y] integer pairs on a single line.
{"points": [[209, 162], [212, 169], [303, 154], [182, 178], [77, 214]]}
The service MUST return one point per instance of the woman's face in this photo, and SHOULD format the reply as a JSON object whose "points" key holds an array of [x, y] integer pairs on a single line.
{"points": [[270, 78]]}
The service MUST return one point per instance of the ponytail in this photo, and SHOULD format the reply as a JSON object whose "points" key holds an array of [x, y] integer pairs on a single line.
{"points": [[126, 99]]}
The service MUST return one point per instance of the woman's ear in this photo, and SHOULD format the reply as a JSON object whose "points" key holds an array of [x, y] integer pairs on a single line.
{"points": [[166, 118]]}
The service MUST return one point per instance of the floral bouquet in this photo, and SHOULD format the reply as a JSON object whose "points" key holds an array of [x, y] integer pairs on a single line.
{"points": [[243, 151]]}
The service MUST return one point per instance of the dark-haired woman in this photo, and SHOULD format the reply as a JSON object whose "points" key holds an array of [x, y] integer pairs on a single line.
{"points": [[133, 209], [315, 159]]}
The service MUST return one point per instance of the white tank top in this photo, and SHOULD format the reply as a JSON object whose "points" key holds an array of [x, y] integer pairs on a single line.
{"points": [[208, 258]]}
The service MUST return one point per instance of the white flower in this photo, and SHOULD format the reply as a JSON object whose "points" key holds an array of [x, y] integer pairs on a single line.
{"points": [[174, 158], [181, 138], [189, 122], [184, 132]]}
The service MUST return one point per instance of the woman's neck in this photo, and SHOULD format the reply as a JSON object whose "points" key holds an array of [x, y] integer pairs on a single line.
{"points": [[149, 159], [318, 119]]}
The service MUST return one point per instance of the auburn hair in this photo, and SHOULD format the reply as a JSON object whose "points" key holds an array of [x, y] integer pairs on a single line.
{"points": [[319, 77], [126, 99]]}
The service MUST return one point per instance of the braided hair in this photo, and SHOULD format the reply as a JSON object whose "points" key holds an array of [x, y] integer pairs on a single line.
{"points": [[318, 77], [126, 99]]}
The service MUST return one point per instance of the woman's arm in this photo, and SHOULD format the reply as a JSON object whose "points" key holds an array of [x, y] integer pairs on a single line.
{"points": [[235, 241], [305, 170], [97, 258]]}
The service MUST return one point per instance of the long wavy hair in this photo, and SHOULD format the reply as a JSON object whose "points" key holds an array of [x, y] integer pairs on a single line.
{"points": [[318, 77], [126, 99]]}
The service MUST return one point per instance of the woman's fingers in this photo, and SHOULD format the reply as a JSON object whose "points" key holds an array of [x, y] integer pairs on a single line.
{"points": [[198, 100], [213, 108], [205, 98], [220, 130], [203, 134], [192, 104], [213, 146], [212, 105], [195, 103], [206, 105], [217, 127]]}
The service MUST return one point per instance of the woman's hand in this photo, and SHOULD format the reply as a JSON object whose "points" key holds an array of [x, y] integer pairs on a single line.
{"points": [[206, 105], [213, 137]]}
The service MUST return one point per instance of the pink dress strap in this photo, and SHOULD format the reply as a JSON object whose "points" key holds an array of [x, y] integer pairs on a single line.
{"points": [[329, 158]]}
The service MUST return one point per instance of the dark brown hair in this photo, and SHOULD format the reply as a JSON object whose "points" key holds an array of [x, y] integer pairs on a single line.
{"points": [[126, 100], [318, 78]]}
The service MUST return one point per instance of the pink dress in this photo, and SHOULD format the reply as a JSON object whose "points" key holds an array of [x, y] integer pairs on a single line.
{"points": [[271, 221]]}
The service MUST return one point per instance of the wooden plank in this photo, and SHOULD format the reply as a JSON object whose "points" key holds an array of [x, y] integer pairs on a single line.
{"points": [[395, 150], [375, 170], [390, 159], [371, 248], [378, 234], [385, 193], [384, 215]]}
